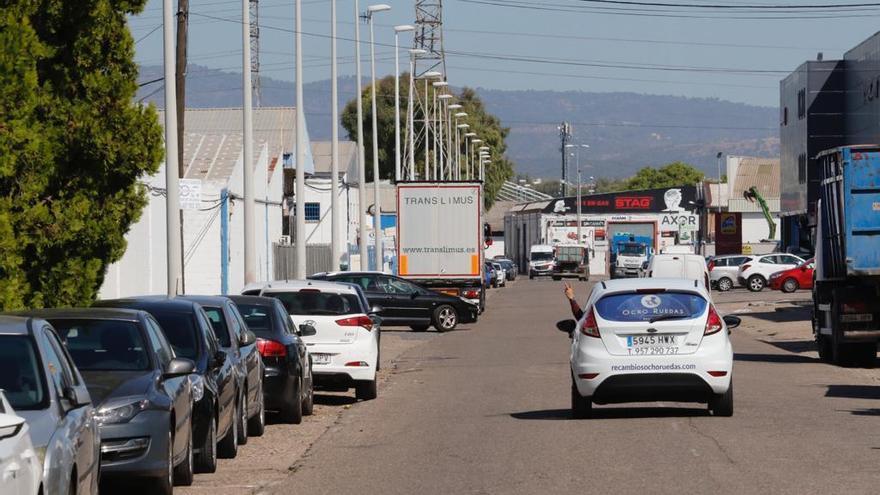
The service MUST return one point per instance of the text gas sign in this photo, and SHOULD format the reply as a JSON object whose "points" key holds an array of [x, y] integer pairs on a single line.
{"points": [[190, 194]]}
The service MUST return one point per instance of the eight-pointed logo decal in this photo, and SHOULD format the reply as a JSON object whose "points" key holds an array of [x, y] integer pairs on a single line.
{"points": [[651, 301]]}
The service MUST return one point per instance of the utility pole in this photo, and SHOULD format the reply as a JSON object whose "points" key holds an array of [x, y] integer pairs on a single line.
{"points": [[363, 246], [565, 136], [180, 90], [335, 212], [247, 153], [300, 267], [172, 204]]}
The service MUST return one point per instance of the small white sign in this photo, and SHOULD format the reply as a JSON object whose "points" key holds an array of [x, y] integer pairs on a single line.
{"points": [[190, 194]]}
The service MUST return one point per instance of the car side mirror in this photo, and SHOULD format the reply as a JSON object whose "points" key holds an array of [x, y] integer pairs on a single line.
{"points": [[218, 359], [732, 321], [247, 338], [77, 396], [566, 326], [11, 427], [376, 309], [307, 330], [179, 367]]}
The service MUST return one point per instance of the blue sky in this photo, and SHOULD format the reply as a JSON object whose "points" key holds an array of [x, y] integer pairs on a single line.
{"points": [[584, 43]]}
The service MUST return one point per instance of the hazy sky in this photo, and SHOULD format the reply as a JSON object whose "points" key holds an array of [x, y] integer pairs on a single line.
{"points": [[575, 45]]}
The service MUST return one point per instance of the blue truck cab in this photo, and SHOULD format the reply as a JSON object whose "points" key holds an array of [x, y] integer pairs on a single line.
{"points": [[846, 292], [629, 253]]}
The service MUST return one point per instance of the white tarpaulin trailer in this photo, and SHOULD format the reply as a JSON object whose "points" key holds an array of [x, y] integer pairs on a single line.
{"points": [[438, 230]]}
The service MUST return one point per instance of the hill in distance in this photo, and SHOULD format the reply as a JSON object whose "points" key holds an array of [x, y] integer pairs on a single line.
{"points": [[625, 131]]}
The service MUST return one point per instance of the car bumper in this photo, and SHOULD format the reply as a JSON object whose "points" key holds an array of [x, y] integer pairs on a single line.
{"points": [[541, 271], [136, 448], [678, 377], [626, 272], [775, 283], [277, 384], [341, 358], [469, 314]]}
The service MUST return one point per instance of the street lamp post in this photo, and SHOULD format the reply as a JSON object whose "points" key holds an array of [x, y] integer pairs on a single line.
{"points": [[444, 136], [362, 159], [438, 134], [410, 119], [428, 116], [397, 30], [473, 163], [335, 210], [467, 152], [377, 210], [578, 195], [453, 109], [300, 234], [458, 127], [172, 184]]}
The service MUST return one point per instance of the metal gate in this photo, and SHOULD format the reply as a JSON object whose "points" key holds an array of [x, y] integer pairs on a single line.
{"points": [[319, 258]]}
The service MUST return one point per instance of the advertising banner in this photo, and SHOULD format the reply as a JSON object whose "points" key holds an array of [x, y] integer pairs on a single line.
{"points": [[728, 233]]}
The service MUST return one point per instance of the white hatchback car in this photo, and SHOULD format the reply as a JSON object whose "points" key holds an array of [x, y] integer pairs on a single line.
{"points": [[20, 468], [344, 345], [650, 339], [754, 273]]}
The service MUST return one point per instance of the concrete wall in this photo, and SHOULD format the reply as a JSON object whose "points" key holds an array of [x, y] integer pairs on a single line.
{"points": [[755, 228]]}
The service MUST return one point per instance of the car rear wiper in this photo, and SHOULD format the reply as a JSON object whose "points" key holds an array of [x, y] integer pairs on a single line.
{"points": [[668, 317]]}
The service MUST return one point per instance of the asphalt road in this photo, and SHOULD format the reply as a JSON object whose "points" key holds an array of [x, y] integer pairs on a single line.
{"points": [[485, 410]]}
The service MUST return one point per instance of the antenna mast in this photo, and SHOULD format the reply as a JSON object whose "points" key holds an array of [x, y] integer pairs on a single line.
{"points": [[255, 49]]}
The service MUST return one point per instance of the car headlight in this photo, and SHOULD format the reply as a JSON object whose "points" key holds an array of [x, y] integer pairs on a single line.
{"points": [[198, 387], [120, 410]]}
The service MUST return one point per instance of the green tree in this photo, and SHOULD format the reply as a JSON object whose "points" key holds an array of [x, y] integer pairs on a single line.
{"points": [[73, 145], [672, 174], [487, 126]]}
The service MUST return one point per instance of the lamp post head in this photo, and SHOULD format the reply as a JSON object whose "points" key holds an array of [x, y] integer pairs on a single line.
{"points": [[444, 96], [462, 126], [431, 74], [379, 7], [440, 84], [459, 114], [476, 141], [417, 51], [404, 28], [454, 106], [470, 135], [484, 148]]}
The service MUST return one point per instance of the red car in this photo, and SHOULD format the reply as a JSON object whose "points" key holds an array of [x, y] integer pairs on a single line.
{"points": [[799, 277]]}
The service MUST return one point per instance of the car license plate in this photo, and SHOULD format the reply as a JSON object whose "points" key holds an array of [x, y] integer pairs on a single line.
{"points": [[856, 318], [651, 345], [320, 358]]}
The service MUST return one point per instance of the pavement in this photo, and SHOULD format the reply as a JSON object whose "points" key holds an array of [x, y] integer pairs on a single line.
{"points": [[485, 410]]}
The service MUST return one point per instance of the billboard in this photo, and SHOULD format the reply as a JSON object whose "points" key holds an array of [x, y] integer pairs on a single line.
{"points": [[665, 200], [728, 233]]}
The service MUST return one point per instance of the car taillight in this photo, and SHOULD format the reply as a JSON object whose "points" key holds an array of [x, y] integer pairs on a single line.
{"points": [[745, 267], [271, 348], [356, 321], [711, 265], [590, 328], [713, 322]]}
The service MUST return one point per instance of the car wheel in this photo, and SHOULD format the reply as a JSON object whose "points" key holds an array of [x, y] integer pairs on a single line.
{"points": [[206, 459], [228, 446], [308, 405], [722, 404], [164, 484], [243, 419], [366, 390], [183, 472], [257, 425], [292, 412], [445, 318], [419, 328], [756, 283], [581, 407], [790, 285], [724, 284]]}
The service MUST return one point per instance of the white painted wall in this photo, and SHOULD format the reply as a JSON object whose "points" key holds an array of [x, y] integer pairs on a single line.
{"points": [[755, 228]]}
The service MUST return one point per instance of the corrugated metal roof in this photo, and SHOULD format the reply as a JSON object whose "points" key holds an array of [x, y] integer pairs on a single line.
{"points": [[213, 138], [763, 173]]}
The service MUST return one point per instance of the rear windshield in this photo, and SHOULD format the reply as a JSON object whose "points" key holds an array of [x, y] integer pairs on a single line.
{"points": [[644, 307], [20, 375], [314, 303], [257, 318], [218, 323], [180, 332], [102, 345], [542, 256]]}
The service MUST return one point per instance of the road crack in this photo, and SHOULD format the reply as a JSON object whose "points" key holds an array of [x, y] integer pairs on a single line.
{"points": [[714, 440]]}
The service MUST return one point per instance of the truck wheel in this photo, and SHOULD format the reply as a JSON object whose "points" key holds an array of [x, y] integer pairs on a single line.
{"points": [[724, 284], [445, 318], [823, 346], [756, 283], [790, 285]]}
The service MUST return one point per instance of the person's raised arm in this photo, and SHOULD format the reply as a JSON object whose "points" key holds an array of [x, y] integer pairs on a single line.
{"points": [[575, 307]]}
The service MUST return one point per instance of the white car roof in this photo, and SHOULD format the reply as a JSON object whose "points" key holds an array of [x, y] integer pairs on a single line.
{"points": [[633, 284], [296, 285]]}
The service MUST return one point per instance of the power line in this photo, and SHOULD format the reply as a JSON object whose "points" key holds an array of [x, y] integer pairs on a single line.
{"points": [[735, 6]]}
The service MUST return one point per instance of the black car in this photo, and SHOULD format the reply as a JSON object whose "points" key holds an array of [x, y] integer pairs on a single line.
{"points": [[140, 389], [188, 330], [405, 303], [287, 373], [240, 343]]}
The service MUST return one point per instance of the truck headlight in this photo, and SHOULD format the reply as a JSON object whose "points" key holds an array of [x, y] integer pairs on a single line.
{"points": [[120, 410]]}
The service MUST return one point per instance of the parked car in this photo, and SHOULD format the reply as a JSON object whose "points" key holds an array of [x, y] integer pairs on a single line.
{"points": [[494, 275], [634, 330], [799, 277], [20, 468], [44, 387], [755, 272], [405, 303], [501, 277], [187, 328], [509, 268], [141, 391], [723, 270], [241, 345], [287, 369], [344, 346]]}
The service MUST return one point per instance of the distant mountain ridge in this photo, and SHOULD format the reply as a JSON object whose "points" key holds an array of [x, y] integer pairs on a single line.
{"points": [[625, 131]]}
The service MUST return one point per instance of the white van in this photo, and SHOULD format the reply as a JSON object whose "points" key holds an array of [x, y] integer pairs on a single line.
{"points": [[541, 260], [688, 266], [678, 249]]}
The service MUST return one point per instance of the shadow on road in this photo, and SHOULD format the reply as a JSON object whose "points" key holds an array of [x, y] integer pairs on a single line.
{"points": [[865, 412], [334, 400], [783, 315], [854, 391], [614, 413], [796, 346], [774, 358]]}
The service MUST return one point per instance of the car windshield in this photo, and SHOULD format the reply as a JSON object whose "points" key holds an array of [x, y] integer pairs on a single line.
{"points": [[218, 323], [20, 375], [506, 264], [632, 249], [542, 256], [180, 332], [104, 345], [632, 306], [317, 303], [257, 318]]}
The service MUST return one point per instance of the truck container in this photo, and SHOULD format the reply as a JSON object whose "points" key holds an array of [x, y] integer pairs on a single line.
{"points": [[846, 292], [440, 238]]}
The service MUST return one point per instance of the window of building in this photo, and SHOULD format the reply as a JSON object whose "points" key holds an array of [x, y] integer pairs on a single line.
{"points": [[802, 104], [313, 212], [785, 116], [802, 168]]}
